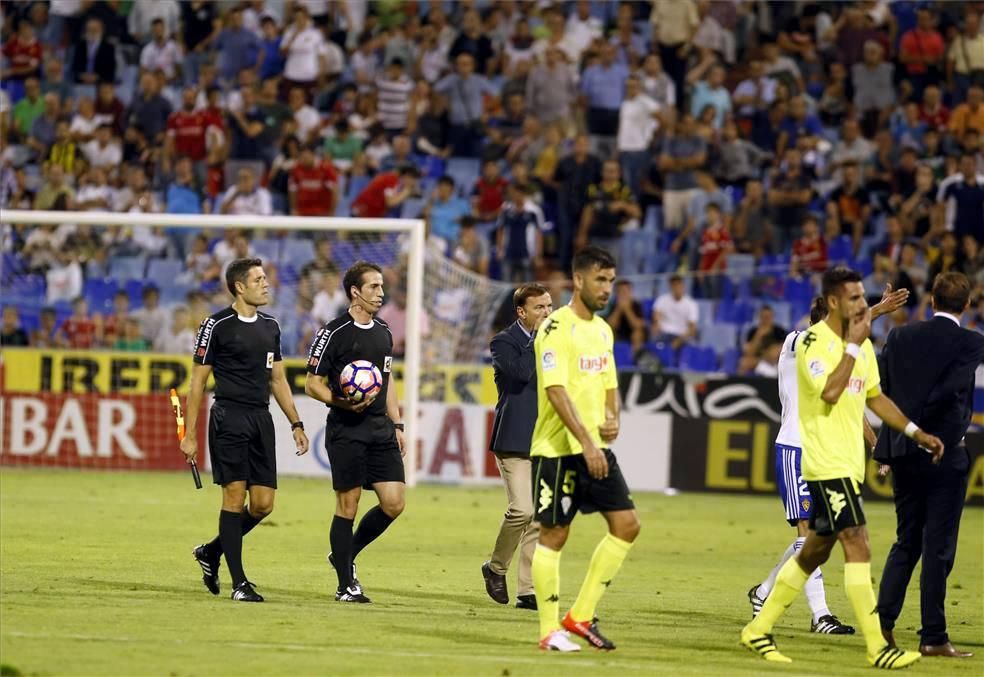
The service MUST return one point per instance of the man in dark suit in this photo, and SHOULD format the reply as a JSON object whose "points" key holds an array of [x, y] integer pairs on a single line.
{"points": [[928, 370], [95, 57], [514, 367]]}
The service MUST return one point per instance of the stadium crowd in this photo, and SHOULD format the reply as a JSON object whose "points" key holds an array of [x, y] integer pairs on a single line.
{"points": [[741, 146]]}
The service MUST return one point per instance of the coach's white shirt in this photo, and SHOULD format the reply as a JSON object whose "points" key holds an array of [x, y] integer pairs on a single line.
{"points": [[789, 433]]}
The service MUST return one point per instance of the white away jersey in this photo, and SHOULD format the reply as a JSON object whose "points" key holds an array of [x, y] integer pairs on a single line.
{"points": [[789, 434]]}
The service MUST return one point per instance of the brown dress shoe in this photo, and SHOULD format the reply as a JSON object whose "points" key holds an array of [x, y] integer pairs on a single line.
{"points": [[946, 650]]}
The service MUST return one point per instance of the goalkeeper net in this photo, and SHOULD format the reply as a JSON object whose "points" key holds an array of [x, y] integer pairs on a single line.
{"points": [[100, 312]]}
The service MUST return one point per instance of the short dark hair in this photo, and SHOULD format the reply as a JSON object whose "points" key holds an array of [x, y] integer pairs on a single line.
{"points": [[592, 256], [951, 292], [446, 179], [150, 289], [835, 278], [818, 310], [353, 276], [676, 277], [238, 271], [526, 292], [409, 170]]}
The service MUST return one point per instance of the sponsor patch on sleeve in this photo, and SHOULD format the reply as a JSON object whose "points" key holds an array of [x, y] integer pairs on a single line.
{"points": [[548, 360], [817, 369], [269, 361], [387, 364]]}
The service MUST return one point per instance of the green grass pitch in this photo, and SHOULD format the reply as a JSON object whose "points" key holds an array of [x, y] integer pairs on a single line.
{"points": [[97, 578]]}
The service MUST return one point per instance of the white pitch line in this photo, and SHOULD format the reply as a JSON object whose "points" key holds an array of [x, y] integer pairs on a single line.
{"points": [[646, 667]]}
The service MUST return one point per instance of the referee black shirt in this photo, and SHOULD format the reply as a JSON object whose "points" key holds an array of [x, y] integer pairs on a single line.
{"points": [[342, 341], [241, 352]]}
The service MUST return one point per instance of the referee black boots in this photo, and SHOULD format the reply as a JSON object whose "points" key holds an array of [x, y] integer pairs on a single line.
{"points": [[244, 593], [210, 567]]}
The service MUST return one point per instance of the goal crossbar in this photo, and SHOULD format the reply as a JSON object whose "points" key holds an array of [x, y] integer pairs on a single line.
{"points": [[415, 271]]}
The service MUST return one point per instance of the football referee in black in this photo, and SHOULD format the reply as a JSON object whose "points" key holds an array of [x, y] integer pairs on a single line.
{"points": [[365, 443], [242, 347]]}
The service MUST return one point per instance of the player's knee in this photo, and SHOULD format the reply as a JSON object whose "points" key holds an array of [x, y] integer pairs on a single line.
{"points": [[393, 507], [627, 529], [553, 537], [260, 509]]}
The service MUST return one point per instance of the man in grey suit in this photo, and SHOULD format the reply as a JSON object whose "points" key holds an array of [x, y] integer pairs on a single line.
{"points": [[514, 367]]}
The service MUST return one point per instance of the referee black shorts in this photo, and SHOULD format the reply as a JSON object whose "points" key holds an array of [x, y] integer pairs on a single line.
{"points": [[363, 453], [837, 505], [562, 487], [241, 445]]}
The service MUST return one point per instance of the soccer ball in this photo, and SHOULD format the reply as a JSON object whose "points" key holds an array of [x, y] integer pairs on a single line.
{"points": [[360, 380]]}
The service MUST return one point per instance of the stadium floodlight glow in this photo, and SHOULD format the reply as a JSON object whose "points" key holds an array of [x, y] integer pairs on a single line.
{"points": [[413, 228]]}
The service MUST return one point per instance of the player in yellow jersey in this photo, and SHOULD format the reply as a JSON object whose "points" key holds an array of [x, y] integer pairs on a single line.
{"points": [[837, 375], [573, 470]]}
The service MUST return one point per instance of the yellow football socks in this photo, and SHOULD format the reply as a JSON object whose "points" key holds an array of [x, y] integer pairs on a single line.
{"points": [[546, 586], [789, 583], [857, 585], [605, 563]]}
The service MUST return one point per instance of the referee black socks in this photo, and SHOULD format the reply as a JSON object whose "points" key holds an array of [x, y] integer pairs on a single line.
{"points": [[214, 547], [340, 538], [371, 526], [231, 539]]}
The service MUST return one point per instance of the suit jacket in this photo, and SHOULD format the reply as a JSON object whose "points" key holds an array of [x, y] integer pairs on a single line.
{"points": [[104, 64], [928, 369], [514, 369]]}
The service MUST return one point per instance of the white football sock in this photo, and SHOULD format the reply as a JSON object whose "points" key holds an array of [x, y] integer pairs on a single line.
{"points": [[815, 596], [765, 587]]}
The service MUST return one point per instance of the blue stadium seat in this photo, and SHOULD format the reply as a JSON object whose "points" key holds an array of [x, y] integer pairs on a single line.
{"points": [[356, 185], [381, 253], [741, 266], [412, 208], [720, 337], [784, 314], [705, 312], [134, 289], [267, 249], [30, 317], [128, 267], [735, 312], [623, 355], [465, 172], [296, 253], [665, 353], [864, 266], [840, 250], [729, 361], [647, 309], [696, 358], [99, 292], [344, 254], [164, 271], [637, 246], [175, 293]]}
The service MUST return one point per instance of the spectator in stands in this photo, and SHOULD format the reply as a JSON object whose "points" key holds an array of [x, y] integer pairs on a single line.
{"points": [[109, 107], [738, 160], [849, 206], [837, 96], [755, 92], [574, 175], [681, 154], [445, 210], [95, 57], [82, 329], [709, 91], [239, 48], [132, 340], [199, 28], [789, 197], [965, 58], [638, 121], [144, 14], [550, 88], [272, 62], [246, 196], [313, 187], [11, 333], [394, 314], [715, 246], [200, 265], [151, 318], [874, 92], [44, 128], [393, 90], [708, 192], [966, 195], [970, 114], [489, 192], [103, 151], [609, 210], [303, 47], [329, 301], [186, 134], [48, 334], [178, 338], [751, 229], [675, 316], [519, 242], [471, 249], [95, 193], [54, 187], [365, 62], [161, 53], [809, 250], [768, 364], [29, 108], [386, 192], [765, 334], [466, 111], [921, 51], [112, 324], [23, 53], [473, 42], [625, 317], [602, 90], [656, 83], [800, 129], [182, 195], [53, 81], [86, 121], [149, 111]]}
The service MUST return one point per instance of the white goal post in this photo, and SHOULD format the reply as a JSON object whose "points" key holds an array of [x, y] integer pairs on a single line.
{"points": [[414, 228]]}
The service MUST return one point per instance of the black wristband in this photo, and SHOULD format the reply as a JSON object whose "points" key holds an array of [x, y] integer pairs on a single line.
{"points": [[297, 424], [399, 426]]}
